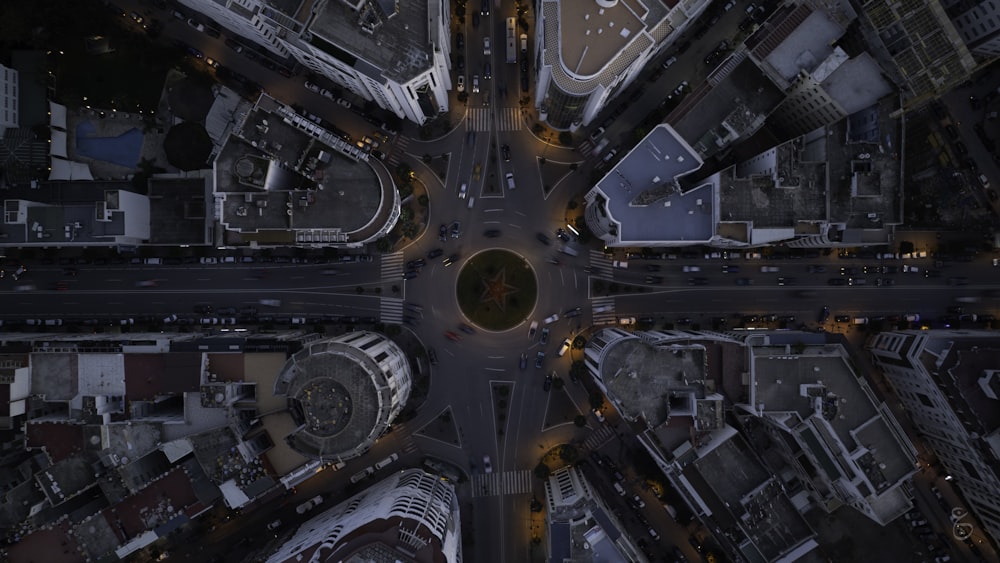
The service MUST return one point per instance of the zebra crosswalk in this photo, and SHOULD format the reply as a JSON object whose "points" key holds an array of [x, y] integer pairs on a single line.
{"points": [[505, 483], [507, 119], [391, 310], [392, 266], [396, 151], [603, 310], [601, 265], [601, 436]]}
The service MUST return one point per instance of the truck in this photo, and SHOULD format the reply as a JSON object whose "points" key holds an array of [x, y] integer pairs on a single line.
{"points": [[309, 504]]}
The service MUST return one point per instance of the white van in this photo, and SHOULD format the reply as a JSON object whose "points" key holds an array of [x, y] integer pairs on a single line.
{"points": [[619, 488], [385, 462]]}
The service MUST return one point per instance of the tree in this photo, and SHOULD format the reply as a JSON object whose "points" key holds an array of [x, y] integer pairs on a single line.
{"points": [[542, 471], [596, 399], [580, 420], [568, 453], [565, 138]]}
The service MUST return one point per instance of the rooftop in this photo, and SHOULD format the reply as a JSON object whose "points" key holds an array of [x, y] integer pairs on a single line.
{"points": [[592, 35], [650, 382], [806, 46], [581, 528], [150, 376], [399, 48], [972, 367], [643, 200]]}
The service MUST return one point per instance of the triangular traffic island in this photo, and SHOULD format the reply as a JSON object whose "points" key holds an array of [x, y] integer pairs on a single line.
{"points": [[442, 428], [560, 408], [500, 392]]}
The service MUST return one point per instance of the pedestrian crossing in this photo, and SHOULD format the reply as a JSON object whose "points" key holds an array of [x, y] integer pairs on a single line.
{"points": [[391, 310], [604, 310], [600, 265], [507, 119], [396, 151], [505, 483], [601, 436], [392, 267]]}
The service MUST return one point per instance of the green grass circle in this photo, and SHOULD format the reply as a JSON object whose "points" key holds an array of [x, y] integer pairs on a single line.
{"points": [[485, 267]]}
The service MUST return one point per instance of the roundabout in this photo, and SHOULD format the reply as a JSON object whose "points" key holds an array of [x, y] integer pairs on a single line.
{"points": [[496, 289]]}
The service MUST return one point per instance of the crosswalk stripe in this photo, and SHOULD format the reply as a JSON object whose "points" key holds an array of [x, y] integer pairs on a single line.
{"points": [[506, 483], [392, 266], [599, 438], [507, 119], [397, 150], [391, 310]]}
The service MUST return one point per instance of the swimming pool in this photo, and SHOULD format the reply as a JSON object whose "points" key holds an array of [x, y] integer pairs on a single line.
{"points": [[123, 150]]}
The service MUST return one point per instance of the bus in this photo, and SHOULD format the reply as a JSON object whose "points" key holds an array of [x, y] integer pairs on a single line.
{"points": [[511, 40]]}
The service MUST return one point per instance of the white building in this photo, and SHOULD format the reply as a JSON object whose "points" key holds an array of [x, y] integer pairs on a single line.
{"points": [[949, 382], [588, 51], [395, 54], [410, 512], [343, 393], [8, 99]]}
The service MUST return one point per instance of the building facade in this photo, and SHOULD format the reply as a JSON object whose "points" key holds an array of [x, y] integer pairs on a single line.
{"points": [[949, 383], [9, 88], [410, 512], [394, 54], [978, 22]]}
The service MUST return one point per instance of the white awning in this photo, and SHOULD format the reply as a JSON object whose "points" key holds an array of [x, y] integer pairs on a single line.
{"points": [[57, 115], [57, 146], [69, 170]]}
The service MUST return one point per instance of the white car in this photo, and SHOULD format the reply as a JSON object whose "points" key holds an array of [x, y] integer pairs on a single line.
{"points": [[692, 269], [532, 329], [271, 302], [274, 525], [344, 103], [599, 415], [670, 61], [487, 466], [463, 191], [565, 347], [475, 83], [486, 46], [312, 87], [552, 319], [461, 84], [768, 269], [209, 260]]}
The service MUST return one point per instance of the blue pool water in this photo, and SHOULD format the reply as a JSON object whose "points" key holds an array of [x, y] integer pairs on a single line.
{"points": [[123, 150]]}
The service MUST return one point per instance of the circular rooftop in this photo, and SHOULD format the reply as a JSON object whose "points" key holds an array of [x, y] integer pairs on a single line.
{"points": [[339, 396]]}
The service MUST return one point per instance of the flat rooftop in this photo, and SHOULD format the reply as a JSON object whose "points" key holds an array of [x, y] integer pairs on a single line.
{"points": [[644, 201], [400, 48], [644, 377], [804, 48], [971, 366], [591, 36]]}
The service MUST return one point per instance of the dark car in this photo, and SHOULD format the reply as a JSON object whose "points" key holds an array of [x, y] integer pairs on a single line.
{"points": [[409, 275], [824, 314], [836, 281], [435, 253], [432, 355], [548, 379], [543, 238], [451, 260], [524, 361], [539, 358], [443, 232], [505, 149], [842, 319], [744, 281], [730, 269], [653, 267], [654, 279], [466, 329], [817, 269], [415, 264], [459, 40], [545, 337]]}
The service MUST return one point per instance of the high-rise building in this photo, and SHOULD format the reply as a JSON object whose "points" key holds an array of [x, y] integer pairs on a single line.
{"points": [[395, 54], [588, 51], [8, 98], [949, 383], [411, 515], [978, 22]]}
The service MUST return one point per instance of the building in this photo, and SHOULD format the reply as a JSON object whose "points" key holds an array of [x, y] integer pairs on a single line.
{"points": [[588, 51], [9, 96], [409, 516], [948, 382], [343, 393], [811, 433], [928, 55], [977, 23], [836, 186], [581, 526], [281, 179], [395, 54]]}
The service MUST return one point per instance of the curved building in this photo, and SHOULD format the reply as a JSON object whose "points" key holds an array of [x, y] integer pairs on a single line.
{"points": [[411, 516], [343, 393], [590, 50]]}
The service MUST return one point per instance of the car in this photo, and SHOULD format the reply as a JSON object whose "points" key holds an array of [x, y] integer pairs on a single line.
{"points": [[505, 149], [566, 343], [600, 418], [487, 71], [452, 336], [463, 190], [611, 154], [545, 337], [487, 466], [669, 61], [274, 525], [539, 358], [209, 260], [697, 281], [691, 269], [769, 269], [466, 329], [343, 103], [836, 281], [637, 502], [523, 363], [730, 269], [461, 83], [532, 329], [552, 318], [459, 40], [451, 260], [842, 318], [211, 62], [744, 281], [456, 229], [785, 281], [816, 269], [486, 46], [574, 312], [680, 88], [475, 83], [547, 384], [410, 274], [543, 238]]}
